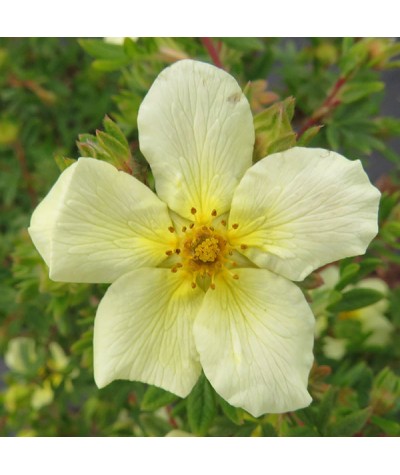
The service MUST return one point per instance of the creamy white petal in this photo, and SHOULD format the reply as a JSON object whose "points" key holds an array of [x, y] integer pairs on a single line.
{"points": [[143, 331], [98, 223], [303, 208], [196, 131], [255, 337]]}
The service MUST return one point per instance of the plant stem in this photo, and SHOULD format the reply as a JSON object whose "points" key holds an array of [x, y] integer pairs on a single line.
{"points": [[330, 103], [212, 51]]}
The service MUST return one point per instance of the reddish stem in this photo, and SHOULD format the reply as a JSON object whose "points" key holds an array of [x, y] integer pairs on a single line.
{"points": [[330, 103], [212, 51]]}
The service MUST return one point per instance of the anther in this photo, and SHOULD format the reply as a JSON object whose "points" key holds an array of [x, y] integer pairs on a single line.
{"points": [[211, 228], [214, 212], [204, 228], [191, 226], [179, 265], [193, 210], [194, 285], [174, 269], [223, 222], [169, 253], [243, 246], [212, 285], [235, 276], [235, 226], [184, 229], [177, 251], [171, 229]]}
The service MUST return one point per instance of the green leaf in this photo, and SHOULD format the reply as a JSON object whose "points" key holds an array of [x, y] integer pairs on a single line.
{"points": [[201, 407], [102, 50], [108, 65], [308, 135], [350, 424], [63, 162], [155, 397], [355, 91], [274, 130], [356, 298], [348, 275], [391, 428], [244, 44], [112, 128], [325, 409], [232, 413]]}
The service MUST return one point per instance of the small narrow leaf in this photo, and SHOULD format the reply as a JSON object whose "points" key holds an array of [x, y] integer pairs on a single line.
{"points": [[347, 275], [356, 298], [201, 407], [350, 424], [155, 397]]}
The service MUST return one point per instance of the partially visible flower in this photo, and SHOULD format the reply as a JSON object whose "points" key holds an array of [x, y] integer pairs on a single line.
{"points": [[372, 318], [118, 40], [200, 275]]}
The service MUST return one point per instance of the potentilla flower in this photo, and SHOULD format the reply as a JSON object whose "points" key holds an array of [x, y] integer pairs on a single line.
{"points": [[201, 274], [372, 317]]}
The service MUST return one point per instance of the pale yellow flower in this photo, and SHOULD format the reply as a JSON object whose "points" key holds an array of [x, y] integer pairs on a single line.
{"points": [[372, 317], [201, 273]]}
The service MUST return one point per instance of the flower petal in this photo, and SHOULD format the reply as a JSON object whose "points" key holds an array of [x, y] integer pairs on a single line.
{"points": [[143, 331], [196, 131], [255, 337], [97, 223], [303, 208]]}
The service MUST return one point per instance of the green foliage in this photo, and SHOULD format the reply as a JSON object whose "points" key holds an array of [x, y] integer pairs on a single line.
{"points": [[52, 91]]}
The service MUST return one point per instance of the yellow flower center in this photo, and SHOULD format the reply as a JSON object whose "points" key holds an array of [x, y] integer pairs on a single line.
{"points": [[207, 250], [204, 251]]}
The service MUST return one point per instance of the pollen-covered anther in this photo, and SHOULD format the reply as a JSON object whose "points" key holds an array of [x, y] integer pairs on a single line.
{"points": [[184, 228], [169, 253], [193, 210], [235, 225], [171, 229], [212, 286], [235, 276], [214, 212], [223, 222], [207, 250], [177, 251], [194, 285], [243, 246]]}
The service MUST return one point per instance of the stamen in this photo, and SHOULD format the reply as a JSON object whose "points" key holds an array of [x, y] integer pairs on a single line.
{"points": [[184, 229], [214, 212], [223, 222], [177, 251], [212, 286], [194, 285], [191, 225], [235, 226], [193, 210], [243, 246], [174, 270], [211, 228], [169, 253], [171, 229], [235, 276]]}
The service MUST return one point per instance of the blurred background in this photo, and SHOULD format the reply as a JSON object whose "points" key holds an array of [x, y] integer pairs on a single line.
{"points": [[56, 94]]}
